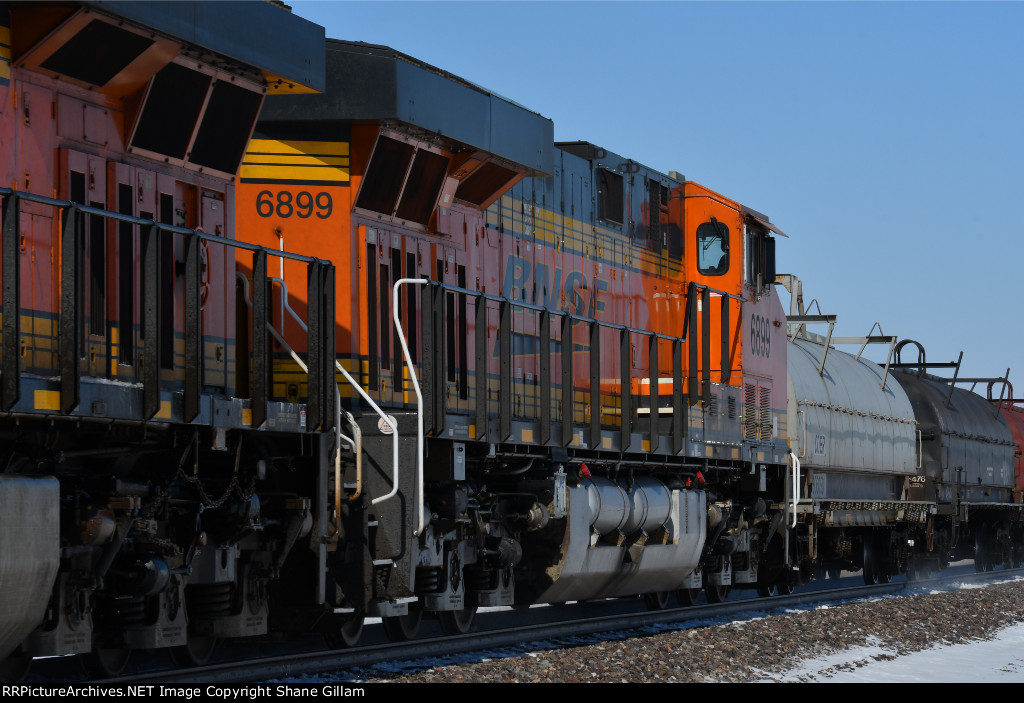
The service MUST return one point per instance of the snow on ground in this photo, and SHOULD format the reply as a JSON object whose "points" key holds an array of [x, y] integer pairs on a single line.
{"points": [[998, 660]]}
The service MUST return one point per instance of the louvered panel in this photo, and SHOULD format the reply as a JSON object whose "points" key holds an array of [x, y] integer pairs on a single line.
{"points": [[766, 414], [750, 411]]}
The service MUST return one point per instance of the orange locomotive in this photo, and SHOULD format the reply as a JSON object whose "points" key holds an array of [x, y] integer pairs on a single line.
{"points": [[130, 511], [583, 358]]}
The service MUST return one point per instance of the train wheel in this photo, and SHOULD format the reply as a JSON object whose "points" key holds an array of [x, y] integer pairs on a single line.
{"points": [[15, 667], [197, 651], [105, 662], [833, 572], [687, 596], [767, 590], [658, 600], [347, 631], [983, 551], [457, 622], [785, 587], [717, 594], [870, 567], [402, 628]]}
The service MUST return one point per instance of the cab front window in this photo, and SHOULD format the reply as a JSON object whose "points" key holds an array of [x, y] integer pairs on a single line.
{"points": [[712, 248]]}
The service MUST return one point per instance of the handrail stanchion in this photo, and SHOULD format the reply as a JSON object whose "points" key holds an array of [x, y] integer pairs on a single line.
{"points": [[419, 402]]}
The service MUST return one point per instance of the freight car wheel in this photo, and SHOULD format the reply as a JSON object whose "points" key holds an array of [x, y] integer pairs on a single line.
{"points": [[785, 587], [457, 622], [402, 628], [870, 567], [767, 590], [347, 631], [105, 662], [687, 596], [197, 651], [657, 600], [983, 552], [717, 594]]}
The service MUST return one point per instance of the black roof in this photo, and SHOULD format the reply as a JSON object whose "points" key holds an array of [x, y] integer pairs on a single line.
{"points": [[377, 83]]}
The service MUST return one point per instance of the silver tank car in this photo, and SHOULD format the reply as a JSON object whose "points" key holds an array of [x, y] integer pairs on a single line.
{"points": [[854, 433], [854, 437], [967, 455], [967, 447]]}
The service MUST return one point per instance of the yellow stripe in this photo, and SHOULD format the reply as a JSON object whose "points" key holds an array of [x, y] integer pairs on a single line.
{"points": [[295, 173], [165, 410], [289, 160], [280, 86], [5, 38], [294, 146], [47, 400]]}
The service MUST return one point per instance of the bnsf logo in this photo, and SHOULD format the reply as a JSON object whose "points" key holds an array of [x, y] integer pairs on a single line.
{"points": [[760, 336]]}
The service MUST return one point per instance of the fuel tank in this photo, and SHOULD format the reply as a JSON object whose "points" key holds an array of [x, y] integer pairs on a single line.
{"points": [[623, 539]]}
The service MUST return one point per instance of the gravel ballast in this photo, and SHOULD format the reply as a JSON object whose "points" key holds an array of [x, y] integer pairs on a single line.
{"points": [[758, 649]]}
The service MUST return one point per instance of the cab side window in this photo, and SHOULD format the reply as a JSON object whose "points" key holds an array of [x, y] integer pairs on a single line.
{"points": [[760, 259], [712, 248], [609, 196]]}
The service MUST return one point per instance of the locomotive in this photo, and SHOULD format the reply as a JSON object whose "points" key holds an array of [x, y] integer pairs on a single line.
{"points": [[559, 375]]}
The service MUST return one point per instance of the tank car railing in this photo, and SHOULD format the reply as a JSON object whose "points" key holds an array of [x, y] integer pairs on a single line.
{"points": [[921, 365], [1006, 396], [799, 322], [433, 404], [321, 354]]}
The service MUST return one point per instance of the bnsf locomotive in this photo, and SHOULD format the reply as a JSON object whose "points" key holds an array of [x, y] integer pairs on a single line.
{"points": [[390, 351]]}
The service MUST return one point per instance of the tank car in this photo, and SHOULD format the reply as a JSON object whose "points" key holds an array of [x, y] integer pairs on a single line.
{"points": [[563, 370], [138, 511], [902, 471], [1014, 416], [966, 466]]}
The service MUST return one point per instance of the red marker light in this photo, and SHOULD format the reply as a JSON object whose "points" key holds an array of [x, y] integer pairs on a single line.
{"points": [[700, 477], [585, 471]]}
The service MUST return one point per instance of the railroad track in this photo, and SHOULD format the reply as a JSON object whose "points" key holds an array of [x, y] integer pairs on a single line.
{"points": [[505, 632]]}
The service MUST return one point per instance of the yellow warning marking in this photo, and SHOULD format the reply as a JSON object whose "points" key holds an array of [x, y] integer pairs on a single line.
{"points": [[47, 400], [296, 173], [296, 147], [294, 160], [165, 410]]}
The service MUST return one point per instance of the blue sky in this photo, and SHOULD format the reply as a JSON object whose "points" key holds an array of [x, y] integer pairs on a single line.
{"points": [[885, 138]]}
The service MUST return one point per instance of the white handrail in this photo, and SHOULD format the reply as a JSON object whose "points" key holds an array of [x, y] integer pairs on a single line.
{"points": [[796, 485], [419, 398], [352, 382]]}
